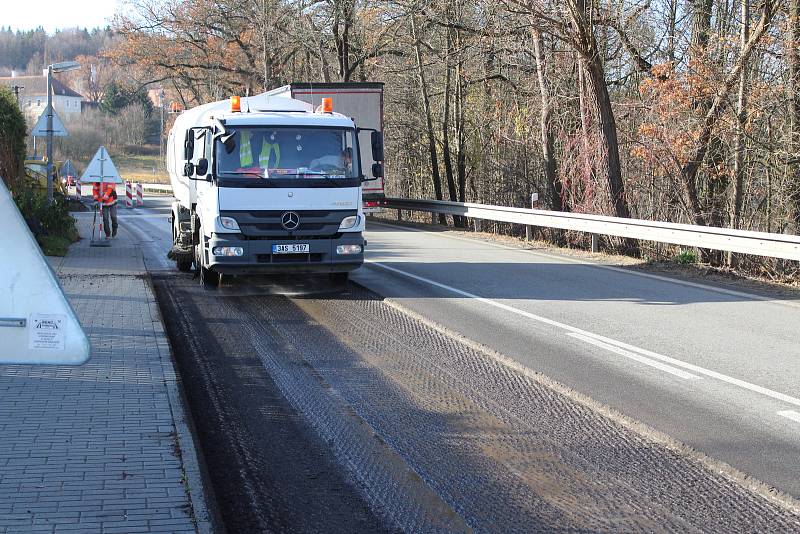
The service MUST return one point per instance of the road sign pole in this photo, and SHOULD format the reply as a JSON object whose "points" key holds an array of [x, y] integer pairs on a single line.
{"points": [[50, 165]]}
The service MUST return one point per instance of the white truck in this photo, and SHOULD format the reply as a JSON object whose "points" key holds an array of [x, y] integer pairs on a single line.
{"points": [[270, 184]]}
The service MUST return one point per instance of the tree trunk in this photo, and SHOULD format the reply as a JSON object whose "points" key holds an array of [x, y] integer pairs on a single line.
{"points": [[460, 126], [741, 117], [701, 25], [585, 42], [546, 129], [673, 20], [426, 103], [343, 20], [446, 154], [793, 58], [608, 132], [691, 167]]}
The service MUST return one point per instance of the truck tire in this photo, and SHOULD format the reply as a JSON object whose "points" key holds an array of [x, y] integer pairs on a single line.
{"points": [[208, 278], [184, 264], [339, 279]]}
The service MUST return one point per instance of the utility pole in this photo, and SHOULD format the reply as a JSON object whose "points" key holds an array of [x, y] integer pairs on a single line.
{"points": [[50, 166], [17, 89], [161, 128], [64, 66]]}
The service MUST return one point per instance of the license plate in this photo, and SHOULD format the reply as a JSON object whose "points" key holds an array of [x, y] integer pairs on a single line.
{"points": [[290, 249]]}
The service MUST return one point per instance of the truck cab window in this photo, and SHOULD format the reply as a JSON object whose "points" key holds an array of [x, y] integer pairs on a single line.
{"points": [[307, 156]]}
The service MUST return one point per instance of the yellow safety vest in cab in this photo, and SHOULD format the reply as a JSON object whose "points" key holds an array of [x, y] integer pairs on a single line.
{"points": [[266, 151], [245, 153]]}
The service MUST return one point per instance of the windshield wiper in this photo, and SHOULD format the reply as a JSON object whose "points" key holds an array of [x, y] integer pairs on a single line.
{"points": [[319, 174], [246, 173]]}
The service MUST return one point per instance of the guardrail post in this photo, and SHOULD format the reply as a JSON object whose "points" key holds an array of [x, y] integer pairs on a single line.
{"points": [[528, 229], [399, 215], [595, 243]]}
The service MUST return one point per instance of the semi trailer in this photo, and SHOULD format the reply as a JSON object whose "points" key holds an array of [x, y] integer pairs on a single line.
{"points": [[271, 184]]}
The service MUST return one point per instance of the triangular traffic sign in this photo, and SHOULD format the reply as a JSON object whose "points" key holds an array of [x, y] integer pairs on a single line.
{"points": [[68, 169], [37, 324], [101, 169], [40, 130]]}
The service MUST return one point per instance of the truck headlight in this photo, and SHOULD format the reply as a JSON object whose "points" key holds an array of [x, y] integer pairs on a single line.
{"points": [[349, 249], [349, 222], [227, 251], [229, 223]]}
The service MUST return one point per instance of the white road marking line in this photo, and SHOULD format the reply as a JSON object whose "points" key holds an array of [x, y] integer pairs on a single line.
{"points": [[677, 363], [790, 414], [633, 356]]}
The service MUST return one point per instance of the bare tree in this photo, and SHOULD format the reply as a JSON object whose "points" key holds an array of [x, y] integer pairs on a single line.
{"points": [[793, 87], [423, 87]]}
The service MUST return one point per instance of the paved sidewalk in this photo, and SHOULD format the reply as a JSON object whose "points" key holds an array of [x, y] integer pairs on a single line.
{"points": [[102, 447]]}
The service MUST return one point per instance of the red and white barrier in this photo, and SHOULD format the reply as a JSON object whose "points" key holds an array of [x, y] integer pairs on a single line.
{"points": [[139, 194], [128, 195]]}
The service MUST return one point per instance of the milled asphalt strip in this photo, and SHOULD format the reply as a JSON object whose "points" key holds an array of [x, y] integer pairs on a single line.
{"points": [[678, 281], [678, 363], [641, 359]]}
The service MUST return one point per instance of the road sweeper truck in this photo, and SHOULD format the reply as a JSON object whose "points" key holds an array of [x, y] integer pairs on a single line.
{"points": [[271, 184]]}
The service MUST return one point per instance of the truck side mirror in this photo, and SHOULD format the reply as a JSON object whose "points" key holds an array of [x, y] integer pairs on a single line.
{"points": [[188, 169], [201, 169], [377, 170], [377, 146], [188, 146]]}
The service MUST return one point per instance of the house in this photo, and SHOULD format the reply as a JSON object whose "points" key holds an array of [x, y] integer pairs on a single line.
{"points": [[33, 95]]}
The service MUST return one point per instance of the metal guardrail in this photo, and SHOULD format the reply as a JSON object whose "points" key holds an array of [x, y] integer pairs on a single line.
{"points": [[744, 241]]}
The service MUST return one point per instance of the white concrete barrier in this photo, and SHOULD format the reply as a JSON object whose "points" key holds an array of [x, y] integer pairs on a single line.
{"points": [[37, 324]]}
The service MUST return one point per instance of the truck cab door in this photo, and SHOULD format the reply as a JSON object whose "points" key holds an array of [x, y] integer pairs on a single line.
{"points": [[198, 168]]}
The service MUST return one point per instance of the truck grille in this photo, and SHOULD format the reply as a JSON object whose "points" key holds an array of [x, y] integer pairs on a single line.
{"points": [[260, 224]]}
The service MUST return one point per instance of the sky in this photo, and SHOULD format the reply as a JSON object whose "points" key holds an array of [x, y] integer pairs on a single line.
{"points": [[57, 14]]}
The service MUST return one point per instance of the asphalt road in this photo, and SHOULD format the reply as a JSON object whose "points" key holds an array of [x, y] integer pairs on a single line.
{"points": [[715, 370], [434, 434]]}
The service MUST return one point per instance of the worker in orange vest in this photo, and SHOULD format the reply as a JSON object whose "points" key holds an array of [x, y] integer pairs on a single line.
{"points": [[108, 201]]}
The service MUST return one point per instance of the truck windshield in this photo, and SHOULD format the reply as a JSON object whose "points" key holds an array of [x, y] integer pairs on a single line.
{"points": [[283, 156]]}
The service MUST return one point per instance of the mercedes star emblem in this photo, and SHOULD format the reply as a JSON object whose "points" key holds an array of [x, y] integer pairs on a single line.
{"points": [[290, 220]]}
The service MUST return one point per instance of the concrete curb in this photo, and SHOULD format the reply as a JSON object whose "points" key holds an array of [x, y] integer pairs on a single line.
{"points": [[195, 488]]}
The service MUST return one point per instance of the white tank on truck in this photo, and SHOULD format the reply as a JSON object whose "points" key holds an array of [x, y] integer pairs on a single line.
{"points": [[269, 184]]}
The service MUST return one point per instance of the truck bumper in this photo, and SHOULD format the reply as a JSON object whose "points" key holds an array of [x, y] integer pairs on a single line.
{"points": [[259, 259]]}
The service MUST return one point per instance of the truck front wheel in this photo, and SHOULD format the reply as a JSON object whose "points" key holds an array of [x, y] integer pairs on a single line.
{"points": [[184, 264], [339, 279], [208, 277]]}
